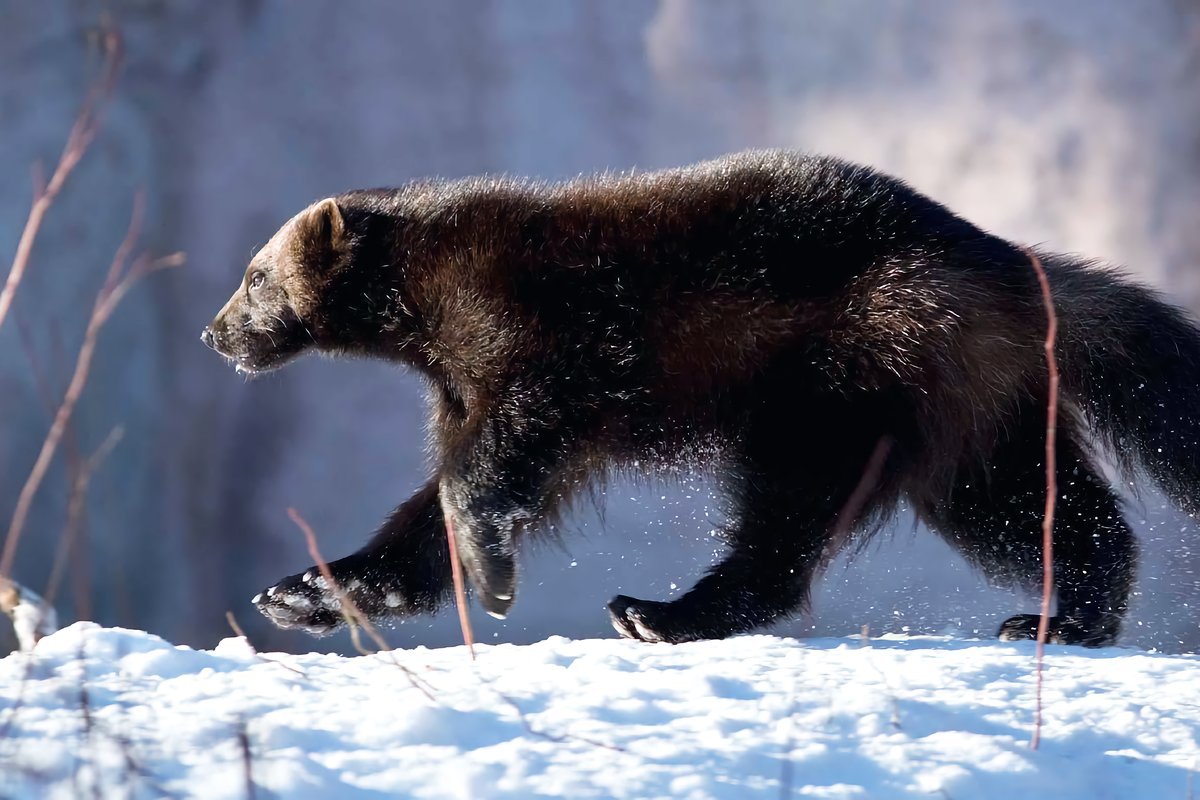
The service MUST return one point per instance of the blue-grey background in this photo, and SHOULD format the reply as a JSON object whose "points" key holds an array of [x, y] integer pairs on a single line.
{"points": [[1075, 124]]}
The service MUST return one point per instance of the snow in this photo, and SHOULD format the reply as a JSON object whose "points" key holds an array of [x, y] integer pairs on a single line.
{"points": [[117, 713]]}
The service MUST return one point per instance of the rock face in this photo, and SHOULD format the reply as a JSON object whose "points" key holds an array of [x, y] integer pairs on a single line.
{"points": [[1072, 124]]}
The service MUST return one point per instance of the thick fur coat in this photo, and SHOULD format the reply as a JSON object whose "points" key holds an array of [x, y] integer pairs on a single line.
{"points": [[825, 338]]}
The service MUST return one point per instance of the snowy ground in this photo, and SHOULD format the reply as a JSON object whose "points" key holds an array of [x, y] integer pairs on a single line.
{"points": [[115, 713]]}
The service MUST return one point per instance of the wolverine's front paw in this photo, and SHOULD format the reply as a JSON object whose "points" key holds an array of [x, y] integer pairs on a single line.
{"points": [[304, 601], [649, 621]]}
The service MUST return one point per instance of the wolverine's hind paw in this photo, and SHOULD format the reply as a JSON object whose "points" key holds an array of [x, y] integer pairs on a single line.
{"points": [[303, 601], [1060, 630]]}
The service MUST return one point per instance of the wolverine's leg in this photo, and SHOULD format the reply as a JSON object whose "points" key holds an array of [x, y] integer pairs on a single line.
{"points": [[404, 570], [495, 476], [995, 520], [796, 494]]}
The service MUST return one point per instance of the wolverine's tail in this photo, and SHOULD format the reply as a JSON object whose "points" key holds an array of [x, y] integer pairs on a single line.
{"points": [[1132, 365]]}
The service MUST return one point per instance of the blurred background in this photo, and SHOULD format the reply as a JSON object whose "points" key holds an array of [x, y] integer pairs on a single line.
{"points": [[1075, 124]]}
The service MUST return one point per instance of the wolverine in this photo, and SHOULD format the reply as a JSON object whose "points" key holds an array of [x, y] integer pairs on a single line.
{"points": [[823, 338]]}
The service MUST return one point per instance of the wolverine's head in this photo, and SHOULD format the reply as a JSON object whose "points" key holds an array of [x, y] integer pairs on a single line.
{"points": [[273, 315]]}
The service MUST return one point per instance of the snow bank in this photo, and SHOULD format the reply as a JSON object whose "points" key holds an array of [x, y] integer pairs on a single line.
{"points": [[119, 713]]}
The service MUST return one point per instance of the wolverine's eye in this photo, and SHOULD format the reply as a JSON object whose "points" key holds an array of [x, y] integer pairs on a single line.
{"points": [[257, 280]]}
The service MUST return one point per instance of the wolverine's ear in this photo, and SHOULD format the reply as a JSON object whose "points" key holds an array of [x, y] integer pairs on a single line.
{"points": [[325, 224]]}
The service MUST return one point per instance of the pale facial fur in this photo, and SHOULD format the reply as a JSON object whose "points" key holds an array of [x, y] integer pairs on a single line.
{"points": [[266, 322]]}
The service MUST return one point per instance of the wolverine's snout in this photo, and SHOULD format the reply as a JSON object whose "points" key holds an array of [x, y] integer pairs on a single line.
{"points": [[253, 344], [221, 338], [216, 336]]}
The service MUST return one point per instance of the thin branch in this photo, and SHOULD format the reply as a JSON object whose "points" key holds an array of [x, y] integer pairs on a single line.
{"points": [[787, 769], [133, 766], [75, 509], [237, 629], [460, 592], [839, 532], [1051, 488], [82, 132], [243, 736], [558, 738], [18, 703], [843, 523], [116, 284], [86, 746], [354, 616], [883, 678], [77, 468]]}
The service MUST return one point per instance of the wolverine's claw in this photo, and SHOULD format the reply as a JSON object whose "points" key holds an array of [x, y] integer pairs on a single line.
{"points": [[495, 577], [292, 603]]}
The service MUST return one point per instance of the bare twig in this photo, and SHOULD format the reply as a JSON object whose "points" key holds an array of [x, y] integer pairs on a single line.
{"points": [[237, 629], [839, 532], [558, 738], [890, 692], [86, 747], [75, 507], [93, 726], [77, 466], [135, 768], [82, 132], [1051, 487], [460, 592], [117, 733], [116, 284], [243, 736], [843, 523], [354, 616], [18, 702], [787, 769]]}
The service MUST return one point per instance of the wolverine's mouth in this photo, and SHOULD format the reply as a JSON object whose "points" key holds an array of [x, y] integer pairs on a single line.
{"points": [[249, 366], [243, 367], [243, 363], [254, 355], [252, 364]]}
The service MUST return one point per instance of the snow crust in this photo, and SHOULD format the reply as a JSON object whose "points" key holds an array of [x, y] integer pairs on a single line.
{"points": [[118, 713]]}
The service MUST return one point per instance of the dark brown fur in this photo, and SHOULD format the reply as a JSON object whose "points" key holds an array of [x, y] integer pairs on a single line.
{"points": [[774, 314]]}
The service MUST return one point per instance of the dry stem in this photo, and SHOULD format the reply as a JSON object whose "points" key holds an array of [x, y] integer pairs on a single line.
{"points": [[843, 523], [354, 616], [82, 132], [77, 477], [237, 629], [116, 284], [75, 507], [1051, 487], [243, 735], [460, 592]]}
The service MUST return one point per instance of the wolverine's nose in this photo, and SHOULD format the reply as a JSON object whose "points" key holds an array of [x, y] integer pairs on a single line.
{"points": [[207, 338]]}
